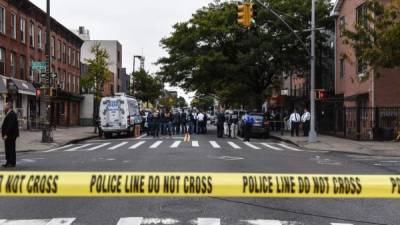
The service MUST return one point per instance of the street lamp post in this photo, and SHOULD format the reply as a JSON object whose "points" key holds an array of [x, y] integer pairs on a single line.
{"points": [[312, 137]]}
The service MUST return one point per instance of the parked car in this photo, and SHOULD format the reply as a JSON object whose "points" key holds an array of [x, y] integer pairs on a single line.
{"points": [[119, 114], [260, 126]]}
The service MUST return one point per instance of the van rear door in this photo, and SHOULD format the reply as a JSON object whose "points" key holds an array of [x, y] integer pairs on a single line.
{"points": [[113, 113]]}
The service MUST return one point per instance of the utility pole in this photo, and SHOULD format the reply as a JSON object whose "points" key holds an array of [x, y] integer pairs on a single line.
{"points": [[46, 133], [312, 136]]}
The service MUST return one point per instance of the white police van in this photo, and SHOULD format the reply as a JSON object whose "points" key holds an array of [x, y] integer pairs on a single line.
{"points": [[119, 114]]}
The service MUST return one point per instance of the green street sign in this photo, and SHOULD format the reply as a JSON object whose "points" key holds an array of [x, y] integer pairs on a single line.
{"points": [[39, 66]]}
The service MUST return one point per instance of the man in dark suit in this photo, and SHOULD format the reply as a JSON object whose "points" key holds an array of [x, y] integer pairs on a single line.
{"points": [[10, 132]]}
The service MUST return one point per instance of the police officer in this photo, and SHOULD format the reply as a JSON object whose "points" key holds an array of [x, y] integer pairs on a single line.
{"points": [[220, 124], [10, 132]]}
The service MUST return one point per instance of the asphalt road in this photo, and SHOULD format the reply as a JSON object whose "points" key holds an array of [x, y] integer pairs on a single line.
{"points": [[205, 154]]}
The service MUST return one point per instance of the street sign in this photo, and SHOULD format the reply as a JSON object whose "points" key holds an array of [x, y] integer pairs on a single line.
{"points": [[53, 75], [39, 66]]}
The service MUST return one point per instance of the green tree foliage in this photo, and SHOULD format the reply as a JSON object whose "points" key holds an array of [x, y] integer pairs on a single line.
{"points": [[202, 102], [98, 73], [376, 35], [212, 54], [146, 87]]}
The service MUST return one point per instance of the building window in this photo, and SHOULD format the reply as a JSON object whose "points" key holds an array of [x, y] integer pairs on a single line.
{"points": [[342, 68], [69, 82], [63, 80], [59, 50], [119, 56], [78, 60], [13, 26], [63, 58], [69, 56], [32, 35], [31, 73], [2, 61], [73, 58], [362, 15], [361, 67], [52, 45], [73, 84], [2, 20], [342, 25], [22, 30], [22, 62], [12, 64], [40, 38], [78, 84]]}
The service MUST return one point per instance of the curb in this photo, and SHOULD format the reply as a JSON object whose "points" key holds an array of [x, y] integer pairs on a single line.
{"points": [[74, 141], [285, 140]]}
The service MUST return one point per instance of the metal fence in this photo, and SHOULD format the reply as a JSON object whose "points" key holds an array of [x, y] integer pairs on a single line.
{"points": [[379, 123]]}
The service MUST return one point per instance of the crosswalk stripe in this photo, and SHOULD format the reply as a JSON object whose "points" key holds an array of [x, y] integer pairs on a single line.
{"points": [[215, 144], [165, 221], [76, 148], [208, 221], [23, 222], [137, 145], [290, 148], [156, 144], [99, 146], [130, 221], [53, 150], [271, 147], [235, 146], [251, 145], [265, 222], [61, 221], [341, 224], [195, 144], [2, 221], [176, 144], [118, 145]]}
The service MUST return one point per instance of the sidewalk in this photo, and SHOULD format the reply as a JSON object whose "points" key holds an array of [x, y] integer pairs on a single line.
{"points": [[335, 144], [31, 140]]}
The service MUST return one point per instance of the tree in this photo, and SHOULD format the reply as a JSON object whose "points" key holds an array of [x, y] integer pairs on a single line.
{"points": [[202, 102], [98, 73], [146, 87], [376, 35], [212, 54], [181, 102]]}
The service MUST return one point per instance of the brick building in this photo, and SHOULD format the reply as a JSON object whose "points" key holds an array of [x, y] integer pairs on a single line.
{"points": [[350, 76], [22, 41]]}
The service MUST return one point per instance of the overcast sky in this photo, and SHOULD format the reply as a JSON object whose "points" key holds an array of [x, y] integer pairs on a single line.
{"points": [[137, 25]]}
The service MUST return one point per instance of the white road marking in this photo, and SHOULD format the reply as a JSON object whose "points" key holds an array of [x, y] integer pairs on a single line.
{"points": [[118, 145], [165, 221], [263, 222], [341, 224], [175, 144], [271, 147], [290, 148], [142, 136], [23, 222], [61, 221], [215, 144], [235, 146], [99, 146], [2, 221], [53, 150], [137, 145], [156, 144], [130, 221], [195, 144], [208, 221], [251, 145], [76, 148]]}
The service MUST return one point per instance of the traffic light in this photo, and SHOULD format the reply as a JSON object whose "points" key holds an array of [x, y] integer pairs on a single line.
{"points": [[243, 14], [252, 13], [320, 94]]}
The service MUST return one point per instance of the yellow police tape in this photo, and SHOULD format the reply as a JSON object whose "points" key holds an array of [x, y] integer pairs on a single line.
{"points": [[141, 184]]}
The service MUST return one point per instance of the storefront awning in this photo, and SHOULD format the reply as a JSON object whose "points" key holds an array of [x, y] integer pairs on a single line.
{"points": [[24, 87]]}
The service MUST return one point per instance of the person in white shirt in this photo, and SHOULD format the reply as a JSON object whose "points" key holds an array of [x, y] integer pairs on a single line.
{"points": [[295, 122], [200, 120], [305, 119]]}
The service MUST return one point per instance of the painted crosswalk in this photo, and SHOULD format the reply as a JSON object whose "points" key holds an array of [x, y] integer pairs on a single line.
{"points": [[162, 221], [140, 144]]}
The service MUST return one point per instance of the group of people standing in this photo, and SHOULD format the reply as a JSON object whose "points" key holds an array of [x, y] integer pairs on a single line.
{"points": [[165, 122], [295, 120]]}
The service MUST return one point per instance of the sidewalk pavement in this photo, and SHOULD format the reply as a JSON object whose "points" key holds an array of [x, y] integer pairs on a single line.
{"points": [[335, 144], [31, 140]]}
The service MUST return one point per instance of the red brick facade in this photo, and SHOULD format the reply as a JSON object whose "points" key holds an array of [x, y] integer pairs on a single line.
{"points": [[379, 91], [29, 45]]}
